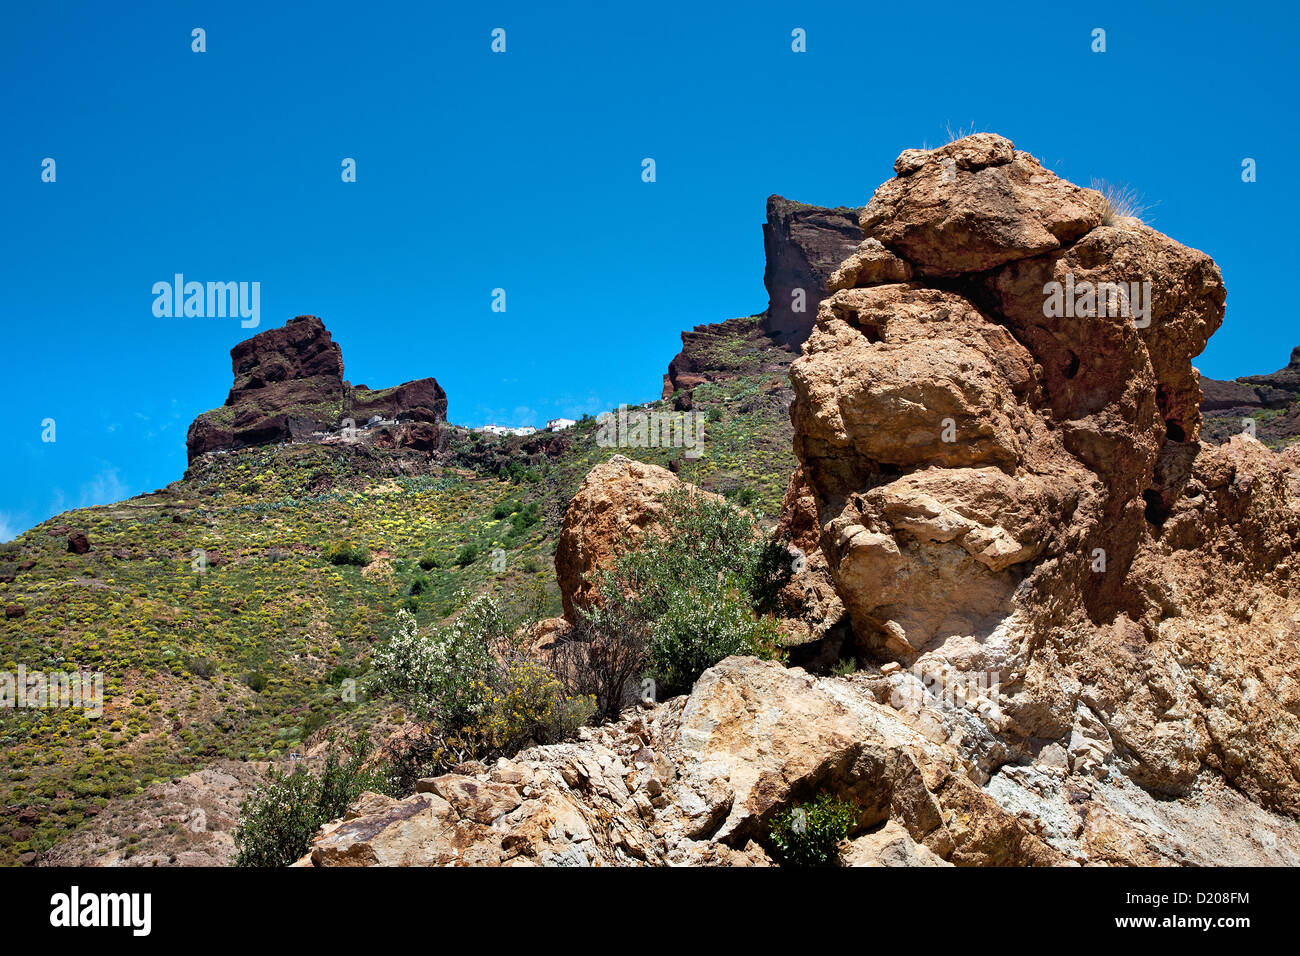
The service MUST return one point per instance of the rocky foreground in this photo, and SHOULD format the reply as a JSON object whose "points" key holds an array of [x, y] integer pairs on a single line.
{"points": [[694, 781], [1077, 623]]}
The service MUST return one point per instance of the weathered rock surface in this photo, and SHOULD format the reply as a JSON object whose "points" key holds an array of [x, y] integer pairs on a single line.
{"points": [[187, 821], [618, 502], [722, 351], [289, 387], [974, 204], [1018, 494], [804, 245], [696, 780]]}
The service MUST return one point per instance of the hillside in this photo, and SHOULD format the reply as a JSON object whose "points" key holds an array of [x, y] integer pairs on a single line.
{"points": [[250, 651]]}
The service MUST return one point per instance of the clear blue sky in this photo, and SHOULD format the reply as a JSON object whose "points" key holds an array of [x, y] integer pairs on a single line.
{"points": [[523, 171]]}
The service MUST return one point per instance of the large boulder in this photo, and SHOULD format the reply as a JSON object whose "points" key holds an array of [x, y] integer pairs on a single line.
{"points": [[618, 503], [1004, 459], [974, 204]]}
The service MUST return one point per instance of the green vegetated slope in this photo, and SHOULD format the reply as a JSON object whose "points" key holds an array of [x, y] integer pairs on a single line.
{"points": [[1276, 427], [248, 657]]}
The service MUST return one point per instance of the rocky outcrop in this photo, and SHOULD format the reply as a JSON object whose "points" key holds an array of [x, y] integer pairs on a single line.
{"points": [[618, 502], [1077, 624], [182, 821], [1011, 487], [722, 351], [804, 245], [698, 779], [289, 387]]}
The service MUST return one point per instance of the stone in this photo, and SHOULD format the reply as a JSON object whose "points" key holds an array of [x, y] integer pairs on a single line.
{"points": [[618, 502]]}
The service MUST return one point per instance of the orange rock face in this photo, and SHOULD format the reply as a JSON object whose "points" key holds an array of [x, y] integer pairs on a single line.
{"points": [[1005, 463], [617, 503]]}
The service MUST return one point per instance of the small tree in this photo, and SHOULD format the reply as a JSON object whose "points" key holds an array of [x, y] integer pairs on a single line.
{"points": [[444, 676]]}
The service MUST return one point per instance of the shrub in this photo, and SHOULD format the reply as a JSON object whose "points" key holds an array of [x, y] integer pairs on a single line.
{"points": [[347, 554], [808, 834], [529, 707], [693, 595], [418, 586], [277, 822], [697, 630], [429, 562], [467, 555], [524, 519], [445, 676], [481, 696], [742, 495], [599, 662], [203, 667], [845, 667]]}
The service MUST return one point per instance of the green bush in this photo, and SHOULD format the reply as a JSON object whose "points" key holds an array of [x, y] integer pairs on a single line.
{"points": [[429, 562], [277, 822], [809, 833], [347, 554], [524, 519], [447, 675], [694, 594], [418, 586], [698, 629], [474, 684], [467, 555], [742, 495]]}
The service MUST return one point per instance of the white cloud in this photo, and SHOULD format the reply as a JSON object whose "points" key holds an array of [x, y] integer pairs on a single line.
{"points": [[7, 531], [105, 488]]}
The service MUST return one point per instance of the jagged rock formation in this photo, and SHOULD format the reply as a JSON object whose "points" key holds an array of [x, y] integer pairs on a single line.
{"points": [[289, 387], [803, 244], [696, 780], [1005, 493], [722, 351]]}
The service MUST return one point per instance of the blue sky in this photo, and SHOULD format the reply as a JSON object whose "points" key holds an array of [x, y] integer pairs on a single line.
{"points": [[522, 171]]}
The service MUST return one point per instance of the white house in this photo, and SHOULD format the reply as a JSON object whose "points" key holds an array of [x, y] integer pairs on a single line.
{"points": [[559, 424]]}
